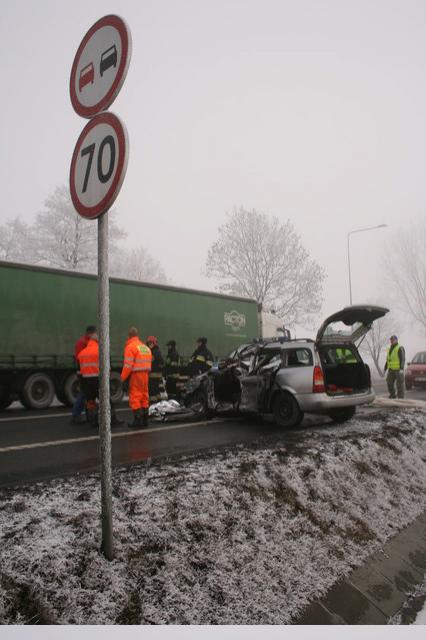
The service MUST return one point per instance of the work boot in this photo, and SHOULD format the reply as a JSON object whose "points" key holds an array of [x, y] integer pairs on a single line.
{"points": [[93, 418], [145, 416], [115, 422], [137, 420]]}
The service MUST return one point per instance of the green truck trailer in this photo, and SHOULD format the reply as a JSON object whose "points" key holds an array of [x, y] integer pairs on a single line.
{"points": [[44, 311]]}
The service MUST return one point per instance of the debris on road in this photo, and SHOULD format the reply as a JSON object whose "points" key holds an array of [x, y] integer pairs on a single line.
{"points": [[167, 409]]}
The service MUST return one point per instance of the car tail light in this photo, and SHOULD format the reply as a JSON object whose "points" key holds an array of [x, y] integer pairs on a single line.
{"points": [[318, 386]]}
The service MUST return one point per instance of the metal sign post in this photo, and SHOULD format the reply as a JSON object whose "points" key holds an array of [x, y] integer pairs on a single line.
{"points": [[98, 167], [104, 389]]}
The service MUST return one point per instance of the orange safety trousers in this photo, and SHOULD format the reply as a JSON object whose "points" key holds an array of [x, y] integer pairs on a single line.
{"points": [[138, 390]]}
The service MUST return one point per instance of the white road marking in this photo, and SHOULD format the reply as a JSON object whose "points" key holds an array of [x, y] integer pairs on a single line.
{"points": [[45, 415], [135, 432], [22, 418]]}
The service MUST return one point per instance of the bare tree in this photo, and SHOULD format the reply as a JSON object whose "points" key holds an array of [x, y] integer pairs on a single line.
{"points": [[405, 262], [62, 238], [262, 258], [377, 339], [15, 244], [138, 264]]}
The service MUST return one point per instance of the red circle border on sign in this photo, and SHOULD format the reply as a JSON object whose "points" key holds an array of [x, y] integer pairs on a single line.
{"points": [[119, 24], [106, 202]]}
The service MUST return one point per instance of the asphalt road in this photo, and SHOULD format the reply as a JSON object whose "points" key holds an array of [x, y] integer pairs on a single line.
{"points": [[381, 389], [38, 445], [41, 445]]}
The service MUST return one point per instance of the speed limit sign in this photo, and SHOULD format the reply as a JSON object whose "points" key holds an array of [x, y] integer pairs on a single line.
{"points": [[98, 165]]}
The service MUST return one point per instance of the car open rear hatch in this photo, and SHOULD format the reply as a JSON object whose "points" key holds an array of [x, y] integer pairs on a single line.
{"points": [[344, 371], [349, 324]]}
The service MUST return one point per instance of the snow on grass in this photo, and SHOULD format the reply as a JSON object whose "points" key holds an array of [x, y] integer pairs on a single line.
{"points": [[249, 535]]}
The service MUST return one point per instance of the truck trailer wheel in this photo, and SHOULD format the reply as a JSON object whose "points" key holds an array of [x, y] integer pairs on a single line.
{"points": [[70, 389], [5, 396], [116, 387], [37, 391]]}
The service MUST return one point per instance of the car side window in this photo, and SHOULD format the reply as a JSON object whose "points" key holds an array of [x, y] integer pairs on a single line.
{"points": [[267, 358], [341, 355], [298, 358], [272, 362]]}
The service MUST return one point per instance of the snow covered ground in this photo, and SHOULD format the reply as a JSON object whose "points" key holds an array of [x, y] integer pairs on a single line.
{"points": [[421, 616], [249, 535], [414, 609]]}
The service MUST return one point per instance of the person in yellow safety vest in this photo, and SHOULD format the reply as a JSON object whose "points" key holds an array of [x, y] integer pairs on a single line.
{"points": [[395, 361], [345, 356]]}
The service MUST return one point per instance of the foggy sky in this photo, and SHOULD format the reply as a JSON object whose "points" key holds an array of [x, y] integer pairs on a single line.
{"points": [[307, 110]]}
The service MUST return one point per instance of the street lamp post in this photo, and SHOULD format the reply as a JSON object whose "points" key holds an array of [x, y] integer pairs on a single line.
{"points": [[379, 226]]}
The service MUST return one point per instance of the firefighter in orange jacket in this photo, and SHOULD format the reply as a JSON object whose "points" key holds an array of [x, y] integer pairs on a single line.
{"points": [[137, 365], [88, 359]]}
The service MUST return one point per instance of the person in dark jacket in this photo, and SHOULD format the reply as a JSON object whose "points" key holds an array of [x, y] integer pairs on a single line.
{"points": [[156, 385], [172, 370], [201, 360]]}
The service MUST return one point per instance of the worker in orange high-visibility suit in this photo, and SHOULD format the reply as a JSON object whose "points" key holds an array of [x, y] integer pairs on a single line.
{"points": [[88, 359], [137, 365]]}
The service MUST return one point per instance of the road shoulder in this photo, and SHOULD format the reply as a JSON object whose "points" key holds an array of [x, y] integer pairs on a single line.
{"points": [[376, 591]]}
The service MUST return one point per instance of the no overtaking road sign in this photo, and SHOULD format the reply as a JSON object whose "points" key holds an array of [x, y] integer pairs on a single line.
{"points": [[100, 66]]}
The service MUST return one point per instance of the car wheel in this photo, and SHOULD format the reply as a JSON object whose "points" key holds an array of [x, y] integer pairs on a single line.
{"points": [[408, 386], [342, 415], [198, 403], [286, 411]]}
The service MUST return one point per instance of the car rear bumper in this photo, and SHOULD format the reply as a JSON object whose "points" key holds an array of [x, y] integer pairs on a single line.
{"points": [[415, 379], [323, 403]]}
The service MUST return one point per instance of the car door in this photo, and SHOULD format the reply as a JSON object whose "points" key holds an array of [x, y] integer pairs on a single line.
{"points": [[256, 385]]}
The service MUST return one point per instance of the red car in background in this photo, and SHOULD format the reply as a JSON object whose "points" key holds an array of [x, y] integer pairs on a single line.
{"points": [[415, 374]]}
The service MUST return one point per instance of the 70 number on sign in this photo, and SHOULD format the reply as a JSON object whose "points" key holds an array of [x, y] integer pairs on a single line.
{"points": [[98, 165], [90, 150]]}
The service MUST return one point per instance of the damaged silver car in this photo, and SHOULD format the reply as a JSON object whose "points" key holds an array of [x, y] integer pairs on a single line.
{"points": [[287, 378]]}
